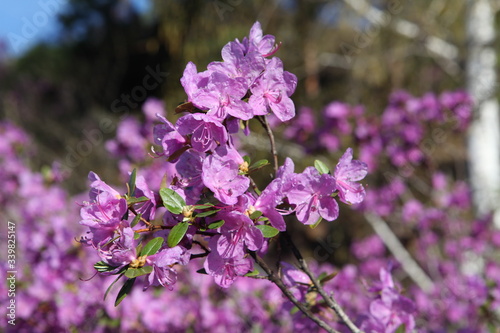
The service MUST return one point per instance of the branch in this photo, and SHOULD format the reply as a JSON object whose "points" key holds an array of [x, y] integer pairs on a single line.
{"points": [[277, 281], [328, 299], [410, 266], [265, 124]]}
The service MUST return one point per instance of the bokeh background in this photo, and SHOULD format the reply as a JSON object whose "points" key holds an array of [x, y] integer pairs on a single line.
{"points": [[70, 71]]}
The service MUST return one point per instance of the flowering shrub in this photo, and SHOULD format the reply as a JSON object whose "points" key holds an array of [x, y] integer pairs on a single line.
{"points": [[212, 207], [193, 219]]}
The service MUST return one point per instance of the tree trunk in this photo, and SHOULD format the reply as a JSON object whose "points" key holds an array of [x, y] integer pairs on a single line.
{"points": [[483, 138]]}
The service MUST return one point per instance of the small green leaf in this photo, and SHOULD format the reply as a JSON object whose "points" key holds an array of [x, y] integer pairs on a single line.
{"points": [[294, 310], [268, 231], [137, 235], [136, 220], [111, 285], [111, 241], [172, 201], [132, 200], [177, 233], [255, 272], [124, 291], [203, 206], [131, 183], [313, 226], [246, 158], [321, 167], [401, 329], [324, 277], [152, 246], [207, 213], [101, 267], [135, 272], [216, 224], [259, 164], [255, 215]]}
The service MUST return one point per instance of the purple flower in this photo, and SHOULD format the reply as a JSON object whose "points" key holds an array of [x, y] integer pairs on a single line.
{"points": [[162, 262], [272, 91], [106, 212], [192, 81], [312, 195], [225, 270], [153, 107], [389, 310], [273, 195], [346, 174], [206, 132], [237, 231], [292, 276], [265, 45], [222, 96], [167, 136], [221, 175], [120, 252], [147, 208], [239, 63], [98, 186], [189, 169]]}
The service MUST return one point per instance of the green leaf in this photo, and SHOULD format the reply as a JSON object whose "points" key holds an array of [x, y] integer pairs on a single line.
{"points": [[135, 272], [246, 158], [124, 291], [132, 200], [268, 231], [177, 233], [255, 272], [136, 220], [111, 285], [255, 215], [324, 277], [321, 167], [207, 213], [101, 267], [216, 224], [259, 164], [131, 183], [137, 235], [203, 206], [294, 310], [401, 329], [152, 246], [172, 201], [111, 241], [313, 226]]}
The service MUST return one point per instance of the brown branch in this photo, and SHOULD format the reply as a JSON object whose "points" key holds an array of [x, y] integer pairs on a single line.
{"points": [[265, 124], [328, 299], [278, 282]]}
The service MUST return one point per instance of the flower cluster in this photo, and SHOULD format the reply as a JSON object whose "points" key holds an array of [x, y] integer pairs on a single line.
{"points": [[48, 299], [209, 205]]}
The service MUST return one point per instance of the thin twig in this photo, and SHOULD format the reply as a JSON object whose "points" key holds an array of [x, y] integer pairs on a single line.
{"points": [[328, 299], [409, 265], [265, 124], [278, 282]]}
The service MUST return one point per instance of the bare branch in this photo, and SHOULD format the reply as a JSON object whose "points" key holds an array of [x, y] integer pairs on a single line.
{"points": [[410, 266]]}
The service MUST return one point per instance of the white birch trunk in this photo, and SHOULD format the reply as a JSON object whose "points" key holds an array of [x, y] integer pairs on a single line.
{"points": [[484, 134]]}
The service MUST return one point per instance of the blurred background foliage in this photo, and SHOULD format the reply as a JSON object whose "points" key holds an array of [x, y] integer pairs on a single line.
{"points": [[59, 90]]}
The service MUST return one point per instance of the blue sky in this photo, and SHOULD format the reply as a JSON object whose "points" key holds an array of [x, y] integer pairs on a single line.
{"points": [[24, 23]]}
